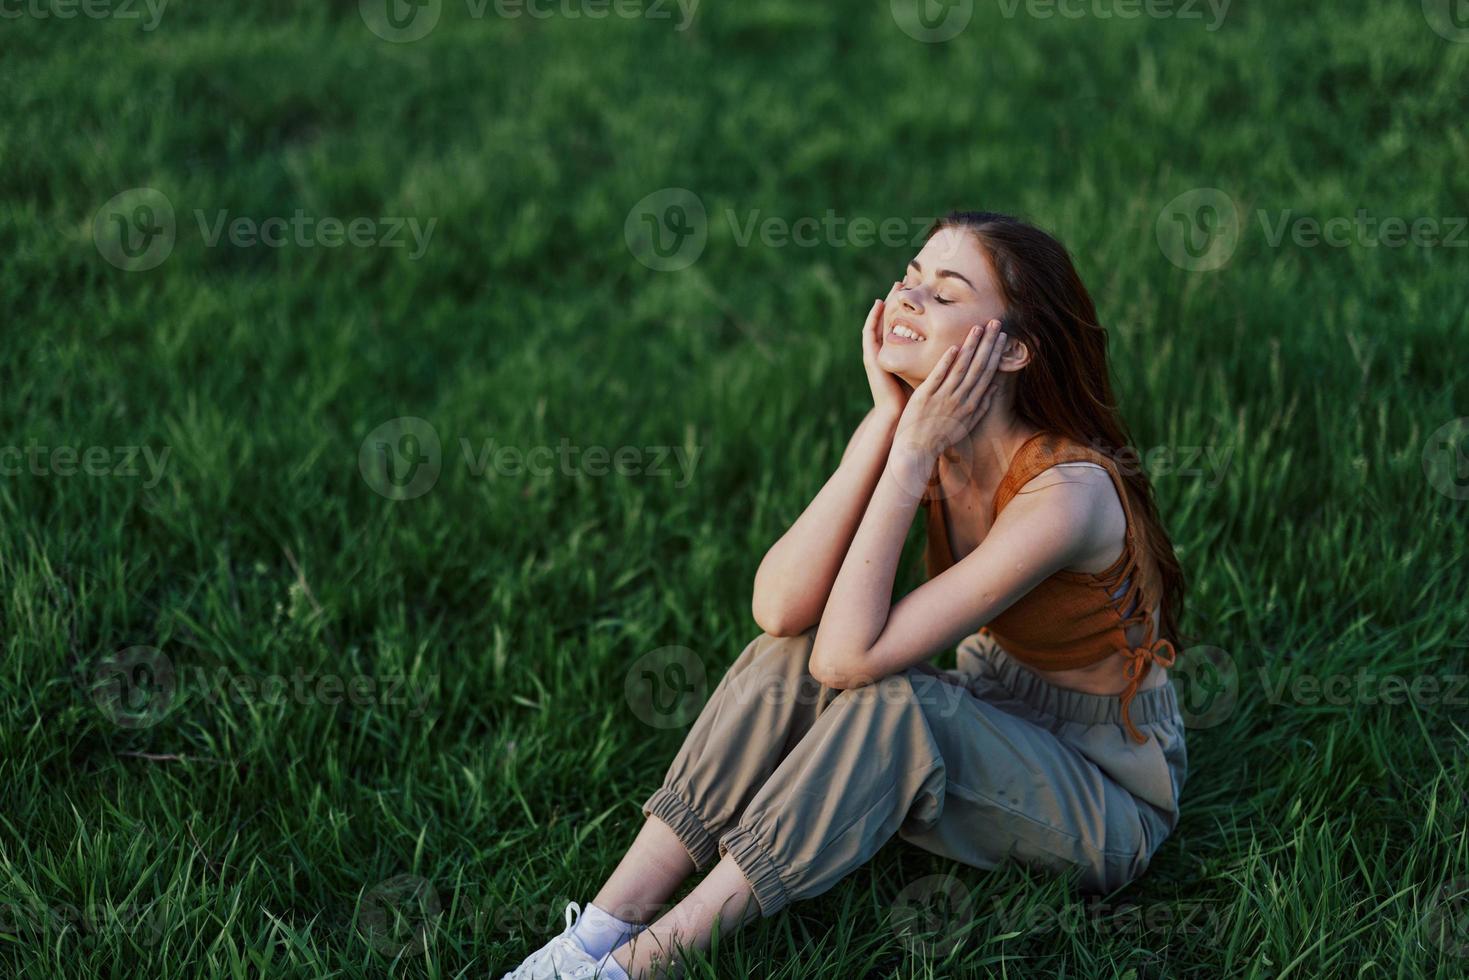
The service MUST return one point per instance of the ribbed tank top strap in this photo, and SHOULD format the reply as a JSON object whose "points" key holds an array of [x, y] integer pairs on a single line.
{"points": [[1039, 452], [1049, 449]]}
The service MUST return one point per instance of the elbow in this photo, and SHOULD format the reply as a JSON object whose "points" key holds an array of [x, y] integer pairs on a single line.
{"points": [[835, 672], [780, 627], [777, 620], [827, 677]]}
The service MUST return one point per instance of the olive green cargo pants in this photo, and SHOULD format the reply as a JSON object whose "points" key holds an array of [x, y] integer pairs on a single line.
{"points": [[801, 783]]}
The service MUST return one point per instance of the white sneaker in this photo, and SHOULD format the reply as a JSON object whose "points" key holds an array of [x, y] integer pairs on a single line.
{"points": [[563, 958]]}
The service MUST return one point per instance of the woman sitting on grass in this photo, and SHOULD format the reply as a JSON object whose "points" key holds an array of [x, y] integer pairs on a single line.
{"points": [[1057, 741]]}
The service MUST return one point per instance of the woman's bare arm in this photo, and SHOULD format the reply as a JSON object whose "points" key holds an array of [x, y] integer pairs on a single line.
{"points": [[796, 575]]}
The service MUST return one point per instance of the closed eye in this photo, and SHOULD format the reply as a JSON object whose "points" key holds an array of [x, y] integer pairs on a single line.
{"points": [[938, 297]]}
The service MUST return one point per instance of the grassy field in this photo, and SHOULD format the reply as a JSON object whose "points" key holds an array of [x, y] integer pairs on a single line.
{"points": [[271, 708]]}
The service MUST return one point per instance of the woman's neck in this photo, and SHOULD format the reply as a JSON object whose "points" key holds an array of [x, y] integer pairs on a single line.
{"points": [[978, 463]]}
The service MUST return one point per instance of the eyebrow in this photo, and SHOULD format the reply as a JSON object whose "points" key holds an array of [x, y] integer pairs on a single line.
{"points": [[946, 274]]}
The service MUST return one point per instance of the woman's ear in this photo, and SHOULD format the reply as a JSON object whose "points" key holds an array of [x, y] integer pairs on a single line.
{"points": [[1015, 355]]}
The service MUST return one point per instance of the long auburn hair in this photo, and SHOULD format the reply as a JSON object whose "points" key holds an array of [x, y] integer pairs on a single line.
{"points": [[1066, 388]]}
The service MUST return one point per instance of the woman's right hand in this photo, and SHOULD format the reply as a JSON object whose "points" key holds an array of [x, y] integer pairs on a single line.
{"points": [[889, 392]]}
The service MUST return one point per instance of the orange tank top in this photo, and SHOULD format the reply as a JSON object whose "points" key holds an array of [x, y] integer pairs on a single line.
{"points": [[1071, 619]]}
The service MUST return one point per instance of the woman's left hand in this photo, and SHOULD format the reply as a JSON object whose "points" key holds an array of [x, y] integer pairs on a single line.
{"points": [[952, 399]]}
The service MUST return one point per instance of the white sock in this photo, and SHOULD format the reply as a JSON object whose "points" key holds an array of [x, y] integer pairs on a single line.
{"points": [[601, 932], [612, 970]]}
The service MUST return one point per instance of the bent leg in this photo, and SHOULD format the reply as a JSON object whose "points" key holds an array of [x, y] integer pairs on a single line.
{"points": [[917, 755], [868, 764], [1018, 790], [763, 705], [722, 899]]}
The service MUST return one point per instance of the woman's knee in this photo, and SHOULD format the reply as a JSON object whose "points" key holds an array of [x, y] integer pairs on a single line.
{"points": [[768, 652], [800, 642], [894, 693], [915, 688], [773, 667]]}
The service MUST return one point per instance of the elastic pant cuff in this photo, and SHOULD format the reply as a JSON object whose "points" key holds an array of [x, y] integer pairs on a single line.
{"points": [[757, 867], [669, 807]]}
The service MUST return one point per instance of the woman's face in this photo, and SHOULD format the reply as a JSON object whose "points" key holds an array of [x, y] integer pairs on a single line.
{"points": [[948, 288]]}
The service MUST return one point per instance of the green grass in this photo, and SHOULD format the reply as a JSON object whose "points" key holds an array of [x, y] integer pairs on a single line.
{"points": [[240, 836]]}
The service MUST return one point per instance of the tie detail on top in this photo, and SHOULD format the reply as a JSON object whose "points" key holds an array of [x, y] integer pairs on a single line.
{"points": [[1072, 619], [1139, 661]]}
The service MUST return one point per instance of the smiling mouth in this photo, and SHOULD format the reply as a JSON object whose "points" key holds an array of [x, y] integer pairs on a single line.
{"points": [[905, 332]]}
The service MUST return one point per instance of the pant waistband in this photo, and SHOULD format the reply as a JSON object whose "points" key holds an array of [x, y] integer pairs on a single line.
{"points": [[1150, 706]]}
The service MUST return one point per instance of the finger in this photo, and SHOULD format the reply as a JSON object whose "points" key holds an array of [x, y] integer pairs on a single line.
{"points": [[874, 316], [984, 388], [966, 359], [939, 372], [872, 328], [996, 356], [979, 341], [986, 344], [978, 373]]}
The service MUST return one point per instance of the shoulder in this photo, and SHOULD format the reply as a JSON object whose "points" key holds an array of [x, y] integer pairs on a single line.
{"points": [[1074, 491], [1049, 460], [1075, 480], [1080, 490]]}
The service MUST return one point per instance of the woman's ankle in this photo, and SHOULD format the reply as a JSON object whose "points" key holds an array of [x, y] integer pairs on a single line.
{"points": [[600, 931]]}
